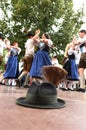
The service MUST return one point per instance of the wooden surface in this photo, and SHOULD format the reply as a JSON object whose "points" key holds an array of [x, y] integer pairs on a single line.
{"points": [[15, 117]]}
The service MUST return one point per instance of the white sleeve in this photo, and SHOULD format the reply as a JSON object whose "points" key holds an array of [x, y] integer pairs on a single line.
{"points": [[4, 45], [19, 50], [50, 43], [25, 44], [70, 51], [83, 40]]}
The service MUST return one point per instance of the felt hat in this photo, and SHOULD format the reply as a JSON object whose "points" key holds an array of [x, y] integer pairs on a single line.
{"points": [[42, 96]]}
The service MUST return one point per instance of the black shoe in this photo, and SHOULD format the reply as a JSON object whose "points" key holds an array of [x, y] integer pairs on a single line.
{"points": [[64, 89], [25, 86], [81, 90], [18, 83]]}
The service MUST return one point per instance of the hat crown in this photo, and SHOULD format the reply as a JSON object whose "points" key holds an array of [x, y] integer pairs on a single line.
{"points": [[44, 93], [44, 89], [42, 96]]}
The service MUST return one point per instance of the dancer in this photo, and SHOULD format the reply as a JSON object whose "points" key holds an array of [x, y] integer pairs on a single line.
{"points": [[28, 57], [82, 64], [41, 58], [71, 67], [12, 67]]}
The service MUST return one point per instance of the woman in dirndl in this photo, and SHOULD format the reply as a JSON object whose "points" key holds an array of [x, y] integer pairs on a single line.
{"points": [[12, 67], [41, 57], [71, 67]]}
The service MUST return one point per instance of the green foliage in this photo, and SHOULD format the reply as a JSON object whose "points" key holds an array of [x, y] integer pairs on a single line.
{"points": [[56, 17]]}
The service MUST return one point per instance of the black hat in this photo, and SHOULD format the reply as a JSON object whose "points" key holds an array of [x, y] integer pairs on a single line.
{"points": [[43, 96], [29, 34]]}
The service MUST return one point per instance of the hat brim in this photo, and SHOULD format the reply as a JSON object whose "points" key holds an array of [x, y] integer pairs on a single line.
{"points": [[60, 104]]}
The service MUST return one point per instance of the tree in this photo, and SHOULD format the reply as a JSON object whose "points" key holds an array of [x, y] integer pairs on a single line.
{"points": [[56, 17]]}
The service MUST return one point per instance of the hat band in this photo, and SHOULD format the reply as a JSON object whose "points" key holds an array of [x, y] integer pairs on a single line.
{"points": [[42, 100]]}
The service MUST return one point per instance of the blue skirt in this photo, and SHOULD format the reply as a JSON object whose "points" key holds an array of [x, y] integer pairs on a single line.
{"points": [[12, 68], [41, 59], [72, 69]]}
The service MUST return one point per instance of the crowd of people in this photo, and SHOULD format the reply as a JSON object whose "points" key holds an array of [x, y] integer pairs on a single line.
{"points": [[33, 61], [75, 63]]}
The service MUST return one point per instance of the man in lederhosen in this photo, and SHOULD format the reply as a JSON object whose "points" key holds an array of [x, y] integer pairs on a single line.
{"points": [[82, 63], [28, 57]]}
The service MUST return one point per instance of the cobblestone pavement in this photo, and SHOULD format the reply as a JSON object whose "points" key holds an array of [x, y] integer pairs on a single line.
{"points": [[15, 117]]}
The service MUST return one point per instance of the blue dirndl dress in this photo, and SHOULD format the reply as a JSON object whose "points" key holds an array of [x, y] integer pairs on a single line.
{"points": [[12, 68], [71, 67], [41, 59]]}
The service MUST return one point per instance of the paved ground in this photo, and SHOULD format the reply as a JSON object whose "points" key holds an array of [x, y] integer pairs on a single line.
{"points": [[15, 117]]}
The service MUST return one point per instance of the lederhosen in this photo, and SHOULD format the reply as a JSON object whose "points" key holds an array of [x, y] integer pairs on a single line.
{"points": [[27, 62], [82, 63]]}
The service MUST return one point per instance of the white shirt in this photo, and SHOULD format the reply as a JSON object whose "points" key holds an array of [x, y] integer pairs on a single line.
{"points": [[77, 54], [82, 40], [30, 47], [50, 43], [84, 49], [2, 46], [56, 63]]}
